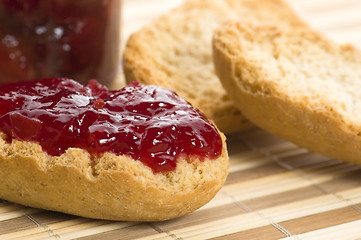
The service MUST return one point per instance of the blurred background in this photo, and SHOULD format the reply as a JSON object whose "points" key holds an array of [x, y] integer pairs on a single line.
{"points": [[340, 19]]}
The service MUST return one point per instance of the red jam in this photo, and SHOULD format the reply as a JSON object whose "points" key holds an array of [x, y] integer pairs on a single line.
{"points": [[149, 123], [42, 38]]}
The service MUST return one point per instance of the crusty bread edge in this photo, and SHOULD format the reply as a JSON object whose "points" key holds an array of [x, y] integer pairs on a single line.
{"points": [[110, 187], [319, 131]]}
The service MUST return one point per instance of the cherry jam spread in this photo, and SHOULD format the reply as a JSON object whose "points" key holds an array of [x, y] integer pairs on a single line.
{"points": [[148, 123]]}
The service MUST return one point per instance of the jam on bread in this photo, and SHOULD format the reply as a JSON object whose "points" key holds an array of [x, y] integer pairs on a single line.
{"points": [[148, 123]]}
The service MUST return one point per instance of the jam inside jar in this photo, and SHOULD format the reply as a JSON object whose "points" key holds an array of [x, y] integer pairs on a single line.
{"points": [[59, 38]]}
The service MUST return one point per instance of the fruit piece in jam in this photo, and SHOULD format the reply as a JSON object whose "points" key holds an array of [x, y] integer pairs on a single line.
{"points": [[148, 123]]}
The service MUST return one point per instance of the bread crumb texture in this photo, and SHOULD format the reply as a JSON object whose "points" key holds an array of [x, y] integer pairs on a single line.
{"points": [[295, 83], [106, 187], [175, 51]]}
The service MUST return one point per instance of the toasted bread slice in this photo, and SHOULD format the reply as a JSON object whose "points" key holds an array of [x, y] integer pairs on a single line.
{"points": [[295, 84], [175, 51], [137, 154]]}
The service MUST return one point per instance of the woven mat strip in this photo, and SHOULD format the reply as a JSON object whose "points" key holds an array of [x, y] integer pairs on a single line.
{"points": [[233, 196]]}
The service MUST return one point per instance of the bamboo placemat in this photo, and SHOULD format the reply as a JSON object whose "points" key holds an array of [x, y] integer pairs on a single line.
{"points": [[275, 190]]}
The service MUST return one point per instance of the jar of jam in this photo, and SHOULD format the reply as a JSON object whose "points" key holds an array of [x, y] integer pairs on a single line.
{"points": [[59, 38]]}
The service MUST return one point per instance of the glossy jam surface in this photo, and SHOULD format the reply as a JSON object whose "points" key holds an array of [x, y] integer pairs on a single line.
{"points": [[148, 123], [42, 38]]}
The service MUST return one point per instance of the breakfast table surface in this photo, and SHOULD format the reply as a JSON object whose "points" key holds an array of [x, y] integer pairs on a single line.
{"points": [[275, 189]]}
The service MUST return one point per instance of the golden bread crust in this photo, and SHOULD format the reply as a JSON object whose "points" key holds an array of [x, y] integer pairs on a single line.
{"points": [[295, 84], [106, 187]]}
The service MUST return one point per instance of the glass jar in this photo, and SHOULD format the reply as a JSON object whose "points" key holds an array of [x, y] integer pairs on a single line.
{"points": [[78, 39]]}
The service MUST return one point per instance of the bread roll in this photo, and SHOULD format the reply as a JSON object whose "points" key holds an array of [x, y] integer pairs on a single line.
{"points": [[175, 51], [97, 184], [294, 83]]}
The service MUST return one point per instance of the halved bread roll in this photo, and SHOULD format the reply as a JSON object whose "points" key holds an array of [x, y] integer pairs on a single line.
{"points": [[175, 51], [294, 83], [140, 153], [107, 187]]}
